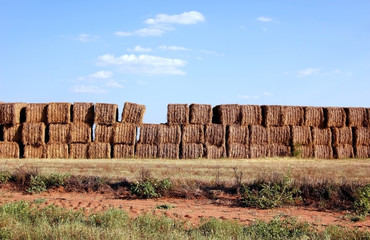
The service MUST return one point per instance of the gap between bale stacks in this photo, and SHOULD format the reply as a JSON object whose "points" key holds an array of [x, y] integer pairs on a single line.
{"points": [[191, 151], [273, 116], [226, 114], [36, 112], [335, 117], [200, 114], [237, 134], [133, 113], [238, 150], [314, 117], [12, 133], [321, 136], [149, 134], [146, 151], [343, 151], [251, 115], [78, 150], [106, 113], [214, 134], [123, 151], [9, 150], [169, 151], [11, 113], [83, 112], [169, 134], [177, 114], [35, 151], [33, 133], [193, 133], [58, 133], [58, 112], [56, 150], [292, 115], [97, 150], [356, 117], [124, 133], [103, 133]]}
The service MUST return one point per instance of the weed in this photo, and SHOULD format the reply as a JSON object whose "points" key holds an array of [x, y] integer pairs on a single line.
{"points": [[5, 176], [361, 204], [39, 201], [165, 206], [150, 188], [37, 184], [297, 150]]}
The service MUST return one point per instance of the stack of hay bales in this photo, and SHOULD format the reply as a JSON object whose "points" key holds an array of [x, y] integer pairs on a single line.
{"points": [[362, 141], [147, 146], [238, 141], [214, 136], [169, 138], [192, 140]]}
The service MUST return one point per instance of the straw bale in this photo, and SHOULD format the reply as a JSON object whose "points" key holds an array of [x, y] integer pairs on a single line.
{"points": [[321, 136], [323, 151], [146, 151], [301, 135], [238, 150], [227, 114], [272, 115], [314, 116], [279, 150], [149, 133], [57, 150], [98, 150], [342, 136], [258, 151], [35, 151], [258, 135], [9, 150], [177, 114], [356, 117], [104, 133], [58, 133], [214, 134], [293, 115], [10, 113], [80, 132], [83, 112], [335, 117], [133, 113], [362, 136], [36, 112], [12, 133], [200, 114], [215, 152], [124, 133], [169, 134], [193, 133], [362, 151], [58, 112], [251, 115], [343, 151], [106, 113], [191, 151], [33, 133], [123, 151], [169, 151], [280, 135], [303, 151], [237, 134], [78, 150]]}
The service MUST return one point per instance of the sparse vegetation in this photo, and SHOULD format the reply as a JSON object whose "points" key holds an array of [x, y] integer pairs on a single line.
{"points": [[150, 187]]}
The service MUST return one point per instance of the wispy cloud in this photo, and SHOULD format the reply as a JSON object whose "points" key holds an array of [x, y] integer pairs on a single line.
{"points": [[308, 72], [87, 89], [123, 34], [173, 48], [265, 19], [139, 48], [101, 74], [83, 37]]}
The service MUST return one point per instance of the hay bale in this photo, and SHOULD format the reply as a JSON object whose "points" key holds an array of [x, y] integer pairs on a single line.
{"points": [[35, 151], [80, 132], [193, 133], [123, 151], [301, 135], [251, 115], [169, 134], [124, 133], [11, 113], [169, 151], [56, 150], [214, 134], [303, 151], [272, 115], [106, 113], [342, 136], [258, 135], [279, 150], [36, 112], [335, 117], [98, 150], [133, 113], [362, 151], [356, 117], [343, 151], [258, 151], [78, 150], [237, 150], [191, 151], [58, 112], [149, 134], [237, 134], [12, 133], [321, 136], [323, 151], [33, 133], [314, 117], [362, 136], [146, 151], [177, 114], [9, 150], [200, 114], [104, 133], [58, 133], [226, 114], [293, 115], [83, 112], [279, 135], [215, 152]]}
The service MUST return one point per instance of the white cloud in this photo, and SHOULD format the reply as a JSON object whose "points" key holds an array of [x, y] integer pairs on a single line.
{"points": [[139, 48], [101, 75], [123, 34], [87, 89], [265, 19], [113, 84], [191, 17], [83, 37], [308, 72], [173, 48]]}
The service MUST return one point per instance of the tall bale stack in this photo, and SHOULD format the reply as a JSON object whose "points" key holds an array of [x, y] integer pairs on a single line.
{"points": [[169, 138], [123, 151], [272, 115], [302, 141], [58, 113], [124, 139], [227, 114], [104, 133], [80, 132], [251, 115], [191, 151], [177, 114], [35, 151], [12, 133], [9, 150], [314, 117], [215, 135], [356, 117], [83, 112], [293, 115], [279, 139], [56, 150], [58, 133], [105, 113], [258, 141], [200, 114], [36, 112], [362, 142], [146, 151], [11, 113], [133, 113], [322, 143], [335, 117], [98, 150], [78, 150]]}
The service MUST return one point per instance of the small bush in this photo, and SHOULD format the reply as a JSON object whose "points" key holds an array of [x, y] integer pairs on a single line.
{"points": [[150, 187], [5, 176], [37, 184], [361, 204]]}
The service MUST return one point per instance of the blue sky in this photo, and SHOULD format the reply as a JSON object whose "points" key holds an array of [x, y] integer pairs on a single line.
{"points": [[314, 53]]}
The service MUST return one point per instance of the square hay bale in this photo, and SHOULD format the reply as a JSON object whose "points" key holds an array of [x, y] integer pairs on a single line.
{"points": [[258, 135], [106, 113], [80, 132], [215, 152], [169, 134], [343, 151], [123, 151], [237, 134], [12, 133], [124, 133], [35, 151], [314, 116], [58, 112], [362, 136], [83, 112], [193, 133], [78, 150], [169, 151], [362, 151], [272, 115], [104, 133], [58, 133], [280, 135], [177, 114], [342, 136], [238, 150], [200, 114], [133, 113], [36, 112], [323, 151], [97, 150], [303, 151], [321, 136], [10, 113], [335, 117], [57, 150], [191, 151], [226, 114], [258, 151], [149, 133], [146, 151], [251, 115], [9, 150], [279, 150], [301, 135], [293, 115], [33, 133], [357, 117], [215, 134]]}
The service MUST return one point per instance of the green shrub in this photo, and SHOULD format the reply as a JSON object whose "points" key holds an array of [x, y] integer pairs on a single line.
{"points": [[361, 204], [150, 187], [37, 184], [5, 176]]}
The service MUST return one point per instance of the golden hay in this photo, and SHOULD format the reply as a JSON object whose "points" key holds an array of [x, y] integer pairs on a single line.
{"points": [[215, 152], [149, 134], [280, 135], [293, 116], [146, 151], [133, 113], [362, 151], [124, 133], [177, 114], [104, 133], [33, 133], [321, 136], [200, 114], [35, 151], [58, 112], [335, 117], [10, 113], [191, 151], [214, 134], [56, 150], [238, 150], [12, 133], [169, 134], [343, 151], [123, 151], [36, 112], [78, 150], [279, 150], [258, 151], [226, 114], [251, 115], [272, 115], [106, 113], [193, 133], [362, 136], [301, 135], [99, 150], [314, 116], [258, 135], [237, 134], [58, 133], [323, 151], [9, 150], [80, 132], [342, 136], [303, 151], [83, 112], [357, 117], [169, 151]]}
